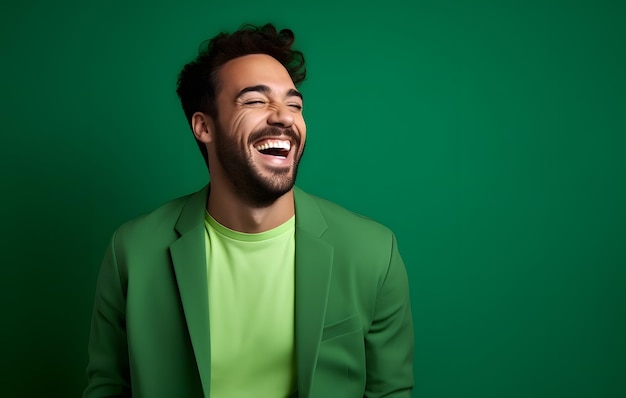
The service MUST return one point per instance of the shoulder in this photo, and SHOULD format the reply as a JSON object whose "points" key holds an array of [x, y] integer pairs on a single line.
{"points": [[153, 227], [338, 216], [365, 254], [346, 229]]}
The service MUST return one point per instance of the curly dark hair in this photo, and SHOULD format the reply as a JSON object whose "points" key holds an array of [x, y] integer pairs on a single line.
{"points": [[197, 81]]}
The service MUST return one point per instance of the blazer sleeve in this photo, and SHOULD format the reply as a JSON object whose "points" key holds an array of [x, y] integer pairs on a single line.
{"points": [[389, 341], [108, 372]]}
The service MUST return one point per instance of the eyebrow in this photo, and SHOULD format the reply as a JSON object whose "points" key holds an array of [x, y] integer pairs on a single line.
{"points": [[262, 88]]}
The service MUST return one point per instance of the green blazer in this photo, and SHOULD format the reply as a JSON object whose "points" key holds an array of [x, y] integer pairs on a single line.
{"points": [[150, 325]]}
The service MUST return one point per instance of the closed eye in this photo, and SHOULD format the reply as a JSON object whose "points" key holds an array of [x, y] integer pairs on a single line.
{"points": [[254, 102]]}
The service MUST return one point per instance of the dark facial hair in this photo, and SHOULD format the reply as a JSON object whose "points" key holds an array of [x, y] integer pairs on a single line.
{"points": [[250, 184]]}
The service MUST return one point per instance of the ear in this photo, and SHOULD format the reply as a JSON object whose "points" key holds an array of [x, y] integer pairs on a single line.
{"points": [[203, 127]]}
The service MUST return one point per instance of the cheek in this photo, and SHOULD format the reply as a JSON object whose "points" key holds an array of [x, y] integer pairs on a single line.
{"points": [[244, 123]]}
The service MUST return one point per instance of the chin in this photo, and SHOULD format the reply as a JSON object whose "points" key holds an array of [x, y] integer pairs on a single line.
{"points": [[264, 191]]}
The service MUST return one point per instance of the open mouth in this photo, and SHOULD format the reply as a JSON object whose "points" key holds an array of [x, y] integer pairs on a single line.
{"points": [[278, 148]]}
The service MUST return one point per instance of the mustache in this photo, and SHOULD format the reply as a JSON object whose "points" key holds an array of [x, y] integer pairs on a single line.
{"points": [[269, 132]]}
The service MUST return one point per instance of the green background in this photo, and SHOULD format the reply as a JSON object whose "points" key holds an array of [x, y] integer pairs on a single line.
{"points": [[490, 136]]}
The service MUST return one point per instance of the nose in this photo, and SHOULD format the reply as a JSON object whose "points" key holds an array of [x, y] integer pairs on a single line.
{"points": [[280, 116]]}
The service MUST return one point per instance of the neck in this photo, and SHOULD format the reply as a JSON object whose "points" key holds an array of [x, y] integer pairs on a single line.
{"points": [[229, 210]]}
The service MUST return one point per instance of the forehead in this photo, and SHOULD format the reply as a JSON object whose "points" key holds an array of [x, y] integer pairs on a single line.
{"points": [[252, 70]]}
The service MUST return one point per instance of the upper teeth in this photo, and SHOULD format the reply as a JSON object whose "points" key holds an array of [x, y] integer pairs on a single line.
{"points": [[274, 144]]}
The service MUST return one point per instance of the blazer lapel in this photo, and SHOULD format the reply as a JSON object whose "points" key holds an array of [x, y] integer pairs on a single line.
{"points": [[189, 260], [314, 259]]}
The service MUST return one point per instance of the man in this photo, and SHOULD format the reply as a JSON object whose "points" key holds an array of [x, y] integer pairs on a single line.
{"points": [[250, 287]]}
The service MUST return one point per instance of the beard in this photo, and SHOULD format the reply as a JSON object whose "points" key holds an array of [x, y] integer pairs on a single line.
{"points": [[250, 183]]}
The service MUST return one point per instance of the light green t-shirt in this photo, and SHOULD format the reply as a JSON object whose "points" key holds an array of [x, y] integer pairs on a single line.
{"points": [[251, 308]]}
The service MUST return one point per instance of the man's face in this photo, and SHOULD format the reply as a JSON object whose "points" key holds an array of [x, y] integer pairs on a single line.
{"points": [[260, 130]]}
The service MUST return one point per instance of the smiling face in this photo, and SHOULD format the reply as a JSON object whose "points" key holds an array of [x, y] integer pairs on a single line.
{"points": [[260, 131]]}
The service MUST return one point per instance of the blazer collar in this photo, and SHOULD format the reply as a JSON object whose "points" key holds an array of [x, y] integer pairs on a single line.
{"points": [[313, 264]]}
